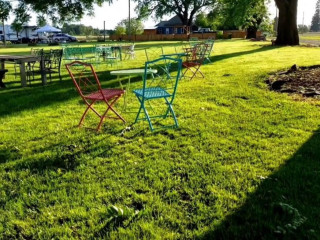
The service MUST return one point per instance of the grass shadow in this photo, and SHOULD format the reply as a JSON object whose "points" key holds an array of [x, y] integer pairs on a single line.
{"points": [[285, 204], [221, 57]]}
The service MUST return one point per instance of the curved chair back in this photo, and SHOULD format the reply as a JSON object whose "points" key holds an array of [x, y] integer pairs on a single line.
{"points": [[84, 78]]}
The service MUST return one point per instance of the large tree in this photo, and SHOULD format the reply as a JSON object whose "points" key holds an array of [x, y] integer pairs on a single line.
{"points": [[62, 10], [5, 9], [287, 25], [21, 17], [184, 9], [246, 14]]}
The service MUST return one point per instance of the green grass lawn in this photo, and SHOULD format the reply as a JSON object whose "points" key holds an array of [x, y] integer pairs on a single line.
{"points": [[310, 36], [244, 163]]}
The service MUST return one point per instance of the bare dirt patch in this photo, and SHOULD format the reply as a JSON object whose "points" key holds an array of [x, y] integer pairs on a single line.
{"points": [[297, 80]]}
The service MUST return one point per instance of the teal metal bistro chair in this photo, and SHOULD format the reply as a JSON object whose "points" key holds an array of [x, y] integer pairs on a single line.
{"points": [[210, 43], [159, 90]]}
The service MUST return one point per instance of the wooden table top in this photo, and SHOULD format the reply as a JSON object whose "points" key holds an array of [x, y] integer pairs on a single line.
{"points": [[18, 57]]}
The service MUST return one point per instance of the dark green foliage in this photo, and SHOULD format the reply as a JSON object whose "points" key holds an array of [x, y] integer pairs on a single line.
{"points": [[79, 29], [184, 9], [315, 23]]}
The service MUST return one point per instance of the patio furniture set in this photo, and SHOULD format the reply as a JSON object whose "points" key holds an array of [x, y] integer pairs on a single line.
{"points": [[160, 75], [160, 78]]}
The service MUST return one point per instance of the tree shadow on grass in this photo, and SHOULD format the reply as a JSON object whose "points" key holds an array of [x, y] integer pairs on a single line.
{"points": [[221, 57], [285, 206], [17, 99]]}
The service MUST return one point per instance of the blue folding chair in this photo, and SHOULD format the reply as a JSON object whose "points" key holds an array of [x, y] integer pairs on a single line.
{"points": [[159, 90]]}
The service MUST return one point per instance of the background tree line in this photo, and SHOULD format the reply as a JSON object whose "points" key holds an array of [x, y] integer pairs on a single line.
{"points": [[249, 14]]}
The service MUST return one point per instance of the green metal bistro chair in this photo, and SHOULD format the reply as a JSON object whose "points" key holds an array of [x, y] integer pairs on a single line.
{"points": [[159, 90], [210, 43], [153, 53]]}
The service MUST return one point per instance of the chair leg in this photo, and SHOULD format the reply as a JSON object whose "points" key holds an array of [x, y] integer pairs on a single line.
{"points": [[148, 118], [170, 108], [86, 111], [137, 117], [102, 117]]}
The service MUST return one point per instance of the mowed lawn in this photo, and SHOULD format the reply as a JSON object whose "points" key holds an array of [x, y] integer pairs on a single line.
{"points": [[244, 163]]}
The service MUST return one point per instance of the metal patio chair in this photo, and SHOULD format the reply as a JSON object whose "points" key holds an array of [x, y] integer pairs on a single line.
{"points": [[158, 92], [210, 43], [129, 52], [90, 90], [195, 57]]}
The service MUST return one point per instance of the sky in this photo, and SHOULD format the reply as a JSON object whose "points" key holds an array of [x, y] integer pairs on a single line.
{"points": [[114, 13]]}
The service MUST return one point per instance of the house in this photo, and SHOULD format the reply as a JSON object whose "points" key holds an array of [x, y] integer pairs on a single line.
{"points": [[172, 26]]}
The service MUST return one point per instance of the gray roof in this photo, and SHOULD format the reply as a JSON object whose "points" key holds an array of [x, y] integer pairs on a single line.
{"points": [[172, 22]]}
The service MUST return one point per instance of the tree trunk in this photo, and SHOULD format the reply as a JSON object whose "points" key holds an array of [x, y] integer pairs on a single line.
{"points": [[252, 32], [287, 25]]}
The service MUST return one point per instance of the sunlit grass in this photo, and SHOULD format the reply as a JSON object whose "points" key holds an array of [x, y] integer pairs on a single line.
{"points": [[59, 181]]}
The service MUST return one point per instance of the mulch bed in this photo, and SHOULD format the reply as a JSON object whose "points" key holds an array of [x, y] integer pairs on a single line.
{"points": [[297, 80]]}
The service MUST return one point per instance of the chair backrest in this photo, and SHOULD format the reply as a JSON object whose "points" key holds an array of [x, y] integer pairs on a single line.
{"points": [[84, 78], [156, 77], [36, 51], [73, 53], [197, 53], [210, 43], [55, 58], [153, 53]]}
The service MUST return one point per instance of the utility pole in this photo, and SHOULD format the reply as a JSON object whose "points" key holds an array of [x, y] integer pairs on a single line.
{"points": [[104, 31], [129, 24]]}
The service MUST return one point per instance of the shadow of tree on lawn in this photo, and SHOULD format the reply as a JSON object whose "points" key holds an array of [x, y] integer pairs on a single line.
{"points": [[221, 57], [285, 206]]}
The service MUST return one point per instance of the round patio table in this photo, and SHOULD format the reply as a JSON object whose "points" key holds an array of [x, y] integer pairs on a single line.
{"points": [[130, 73]]}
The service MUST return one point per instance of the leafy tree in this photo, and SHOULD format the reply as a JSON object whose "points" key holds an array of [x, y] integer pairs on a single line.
{"points": [[287, 24], [61, 10], [136, 27], [120, 30], [79, 29], [213, 20], [5, 9], [184, 9], [41, 20], [21, 17], [249, 15], [315, 23]]}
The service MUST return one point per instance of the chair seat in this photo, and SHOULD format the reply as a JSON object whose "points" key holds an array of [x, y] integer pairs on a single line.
{"points": [[107, 93], [151, 93], [190, 64]]}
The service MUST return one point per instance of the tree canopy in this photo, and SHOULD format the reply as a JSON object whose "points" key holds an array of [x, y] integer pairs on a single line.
{"points": [[136, 27], [61, 10], [5, 9], [186, 10]]}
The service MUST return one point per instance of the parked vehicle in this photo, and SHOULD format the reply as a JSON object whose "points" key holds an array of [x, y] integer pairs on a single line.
{"points": [[203, 30], [63, 37]]}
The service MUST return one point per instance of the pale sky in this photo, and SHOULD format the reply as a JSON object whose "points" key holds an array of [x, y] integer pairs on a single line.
{"points": [[118, 11]]}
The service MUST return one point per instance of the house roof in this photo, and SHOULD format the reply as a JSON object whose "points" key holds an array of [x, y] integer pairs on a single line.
{"points": [[171, 22]]}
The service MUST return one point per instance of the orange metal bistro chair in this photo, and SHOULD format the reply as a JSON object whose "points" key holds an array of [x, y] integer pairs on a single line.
{"points": [[89, 88], [195, 57]]}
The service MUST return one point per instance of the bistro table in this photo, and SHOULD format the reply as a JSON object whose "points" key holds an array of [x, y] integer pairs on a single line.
{"points": [[22, 60], [130, 73], [175, 55]]}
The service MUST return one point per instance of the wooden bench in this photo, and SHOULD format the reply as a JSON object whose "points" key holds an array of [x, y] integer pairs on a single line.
{"points": [[2, 73]]}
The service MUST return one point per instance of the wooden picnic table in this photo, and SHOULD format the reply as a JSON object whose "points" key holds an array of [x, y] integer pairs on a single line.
{"points": [[22, 60]]}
